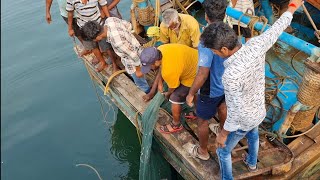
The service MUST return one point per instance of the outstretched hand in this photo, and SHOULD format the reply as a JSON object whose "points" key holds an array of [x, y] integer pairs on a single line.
{"points": [[48, 17], [294, 5]]}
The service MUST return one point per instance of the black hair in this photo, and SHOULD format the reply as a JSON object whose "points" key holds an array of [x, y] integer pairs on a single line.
{"points": [[218, 35], [215, 9], [159, 54], [90, 30]]}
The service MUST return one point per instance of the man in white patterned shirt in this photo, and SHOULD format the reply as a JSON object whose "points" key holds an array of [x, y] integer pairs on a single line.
{"points": [[244, 84], [118, 33]]}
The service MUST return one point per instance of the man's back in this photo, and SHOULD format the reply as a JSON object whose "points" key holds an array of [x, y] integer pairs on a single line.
{"points": [[244, 79], [179, 64]]}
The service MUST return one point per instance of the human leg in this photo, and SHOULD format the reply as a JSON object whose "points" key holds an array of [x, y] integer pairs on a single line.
{"points": [[203, 135], [102, 62], [206, 108], [141, 83], [224, 154], [253, 147], [177, 98], [113, 58], [222, 113]]}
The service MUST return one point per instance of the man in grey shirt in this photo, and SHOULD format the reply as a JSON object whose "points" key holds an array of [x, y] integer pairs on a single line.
{"points": [[244, 84]]}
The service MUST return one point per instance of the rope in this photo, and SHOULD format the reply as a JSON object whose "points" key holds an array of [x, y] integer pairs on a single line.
{"points": [[91, 78], [274, 135], [87, 165], [317, 32], [106, 89], [138, 129], [181, 7]]}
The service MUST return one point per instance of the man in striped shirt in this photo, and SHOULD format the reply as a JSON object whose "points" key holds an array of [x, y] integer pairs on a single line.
{"points": [[88, 10], [244, 84]]}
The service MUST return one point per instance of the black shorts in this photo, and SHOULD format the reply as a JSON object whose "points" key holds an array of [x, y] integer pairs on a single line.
{"points": [[74, 25], [207, 107], [179, 95], [245, 32]]}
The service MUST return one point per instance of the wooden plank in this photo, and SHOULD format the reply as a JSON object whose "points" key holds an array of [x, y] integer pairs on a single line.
{"points": [[302, 143], [315, 3], [309, 156]]}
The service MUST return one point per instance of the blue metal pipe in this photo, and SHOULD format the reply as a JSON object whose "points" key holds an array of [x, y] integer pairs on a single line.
{"points": [[267, 10], [293, 41]]}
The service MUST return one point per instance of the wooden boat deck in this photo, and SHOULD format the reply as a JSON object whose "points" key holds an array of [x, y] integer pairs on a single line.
{"points": [[305, 158]]}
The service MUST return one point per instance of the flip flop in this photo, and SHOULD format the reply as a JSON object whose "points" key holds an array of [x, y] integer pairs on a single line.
{"points": [[193, 150], [192, 117], [172, 128], [215, 128]]}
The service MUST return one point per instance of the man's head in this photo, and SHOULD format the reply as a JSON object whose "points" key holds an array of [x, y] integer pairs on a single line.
{"points": [[220, 38], [215, 10], [150, 59], [90, 30], [170, 19]]}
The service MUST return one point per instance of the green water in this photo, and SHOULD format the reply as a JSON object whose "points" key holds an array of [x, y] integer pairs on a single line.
{"points": [[50, 116]]}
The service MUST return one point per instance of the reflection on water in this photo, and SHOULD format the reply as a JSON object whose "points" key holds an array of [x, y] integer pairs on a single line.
{"points": [[125, 145]]}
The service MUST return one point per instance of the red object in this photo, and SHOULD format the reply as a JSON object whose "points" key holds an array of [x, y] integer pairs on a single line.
{"points": [[292, 5]]}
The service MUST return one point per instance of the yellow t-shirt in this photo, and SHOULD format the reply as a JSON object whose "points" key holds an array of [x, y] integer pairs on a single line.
{"points": [[189, 33], [178, 65]]}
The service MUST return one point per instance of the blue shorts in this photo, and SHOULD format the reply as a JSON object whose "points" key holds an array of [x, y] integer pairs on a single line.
{"points": [[207, 107]]}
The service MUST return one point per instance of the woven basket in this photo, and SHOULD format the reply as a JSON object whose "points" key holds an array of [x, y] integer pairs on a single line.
{"points": [[145, 16]]}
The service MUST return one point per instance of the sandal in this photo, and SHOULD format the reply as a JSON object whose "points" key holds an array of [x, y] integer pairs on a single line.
{"points": [[194, 152], [215, 128], [189, 116], [170, 128], [250, 168]]}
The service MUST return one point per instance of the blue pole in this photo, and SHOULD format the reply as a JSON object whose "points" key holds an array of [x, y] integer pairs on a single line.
{"points": [[293, 41], [267, 10]]}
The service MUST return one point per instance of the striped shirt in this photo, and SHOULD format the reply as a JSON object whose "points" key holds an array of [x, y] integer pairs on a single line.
{"points": [[124, 44], [243, 6], [86, 12], [244, 79]]}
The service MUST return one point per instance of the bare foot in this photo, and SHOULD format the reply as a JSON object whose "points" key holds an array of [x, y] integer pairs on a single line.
{"points": [[115, 68], [148, 96], [84, 52], [102, 66], [95, 61]]}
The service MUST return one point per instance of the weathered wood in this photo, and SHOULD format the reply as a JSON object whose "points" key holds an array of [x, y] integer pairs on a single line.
{"points": [[300, 162]]}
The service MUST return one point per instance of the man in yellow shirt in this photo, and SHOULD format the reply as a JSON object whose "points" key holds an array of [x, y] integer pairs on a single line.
{"points": [[179, 28], [179, 65]]}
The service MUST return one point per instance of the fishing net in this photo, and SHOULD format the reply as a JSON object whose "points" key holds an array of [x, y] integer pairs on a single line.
{"points": [[149, 160], [152, 164]]}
